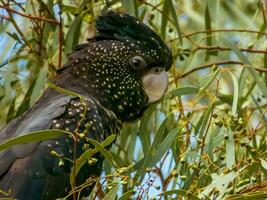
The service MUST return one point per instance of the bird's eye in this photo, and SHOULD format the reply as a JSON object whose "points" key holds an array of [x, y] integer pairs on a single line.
{"points": [[137, 63], [157, 70]]}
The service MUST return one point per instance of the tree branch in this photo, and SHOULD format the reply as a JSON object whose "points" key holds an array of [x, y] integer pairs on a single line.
{"points": [[4, 17], [219, 48], [224, 30], [29, 16], [218, 63]]}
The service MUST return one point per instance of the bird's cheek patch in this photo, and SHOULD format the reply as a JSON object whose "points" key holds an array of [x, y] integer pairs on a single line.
{"points": [[155, 85]]}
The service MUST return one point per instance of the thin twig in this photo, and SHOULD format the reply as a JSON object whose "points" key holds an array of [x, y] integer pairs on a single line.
{"points": [[218, 63], [4, 17], [219, 48], [12, 20], [264, 10], [60, 35], [29, 16], [209, 122], [223, 30]]}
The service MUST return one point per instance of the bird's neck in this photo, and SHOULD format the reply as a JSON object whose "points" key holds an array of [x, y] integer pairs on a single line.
{"points": [[120, 94]]}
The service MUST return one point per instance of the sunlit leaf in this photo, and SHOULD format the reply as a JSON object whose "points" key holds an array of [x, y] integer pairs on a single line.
{"points": [[149, 155], [249, 66], [35, 136], [230, 148], [186, 90], [104, 151], [235, 94], [221, 183], [130, 7], [111, 195], [88, 154], [180, 193], [73, 33], [175, 19]]}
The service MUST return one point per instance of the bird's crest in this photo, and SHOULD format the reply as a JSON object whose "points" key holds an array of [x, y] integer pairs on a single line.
{"points": [[111, 25]]}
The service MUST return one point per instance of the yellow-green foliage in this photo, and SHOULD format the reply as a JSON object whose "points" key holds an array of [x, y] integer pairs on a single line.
{"points": [[206, 139]]}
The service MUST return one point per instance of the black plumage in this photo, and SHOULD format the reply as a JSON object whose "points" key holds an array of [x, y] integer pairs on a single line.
{"points": [[108, 72]]}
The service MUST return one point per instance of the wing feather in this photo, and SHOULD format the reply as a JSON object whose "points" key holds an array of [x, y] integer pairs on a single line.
{"points": [[39, 117]]}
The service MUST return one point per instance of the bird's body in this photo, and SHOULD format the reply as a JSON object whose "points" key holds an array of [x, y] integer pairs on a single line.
{"points": [[34, 164], [115, 74]]}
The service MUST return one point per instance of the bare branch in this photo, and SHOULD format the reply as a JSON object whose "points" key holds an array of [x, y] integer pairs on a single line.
{"points": [[29, 16]]}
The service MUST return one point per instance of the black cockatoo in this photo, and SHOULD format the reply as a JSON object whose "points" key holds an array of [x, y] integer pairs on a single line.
{"points": [[119, 73]]}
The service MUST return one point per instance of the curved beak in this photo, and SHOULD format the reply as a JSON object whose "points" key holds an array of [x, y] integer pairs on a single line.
{"points": [[155, 84]]}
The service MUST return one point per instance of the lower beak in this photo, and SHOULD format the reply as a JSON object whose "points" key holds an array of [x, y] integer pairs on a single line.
{"points": [[155, 85]]}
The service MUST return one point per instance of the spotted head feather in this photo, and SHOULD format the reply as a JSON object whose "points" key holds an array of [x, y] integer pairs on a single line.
{"points": [[113, 65], [124, 27]]}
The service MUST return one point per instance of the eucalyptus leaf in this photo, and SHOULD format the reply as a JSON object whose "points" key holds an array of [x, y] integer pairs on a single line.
{"points": [[35, 136]]}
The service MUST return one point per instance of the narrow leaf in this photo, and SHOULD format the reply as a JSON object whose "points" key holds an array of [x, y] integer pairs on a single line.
{"points": [[72, 37], [39, 85], [250, 67], [235, 99], [180, 193], [25, 105], [11, 111], [163, 147], [164, 19], [230, 149], [220, 183], [175, 19], [130, 7], [86, 155], [36, 136], [183, 91], [127, 195], [208, 26], [149, 156], [104, 151], [111, 195]]}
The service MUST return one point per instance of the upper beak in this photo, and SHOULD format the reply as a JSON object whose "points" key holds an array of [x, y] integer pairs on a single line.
{"points": [[155, 85]]}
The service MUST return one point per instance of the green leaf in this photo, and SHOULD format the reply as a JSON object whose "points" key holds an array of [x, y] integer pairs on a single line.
{"points": [[258, 195], [127, 195], [235, 99], [35, 136], [112, 194], [164, 19], [230, 148], [186, 90], [86, 155], [249, 66], [70, 9], [80, 162], [73, 33], [63, 91], [203, 121], [25, 105], [104, 151], [130, 7], [11, 111], [208, 25], [39, 85], [205, 81], [144, 137], [15, 36], [163, 147], [180, 193], [175, 19], [264, 164], [208, 34], [148, 158], [220, 183]]}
